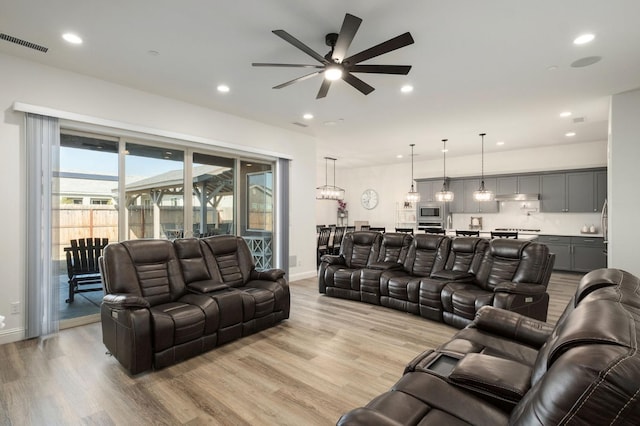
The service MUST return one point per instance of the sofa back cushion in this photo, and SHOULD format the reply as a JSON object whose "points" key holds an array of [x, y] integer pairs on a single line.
{"points": [[394, 247], [192, 261], [500, 262], [147, 268], [360, 248], [427, 254], [532, 266], [466, 254], [233, 258], [582, 373]]}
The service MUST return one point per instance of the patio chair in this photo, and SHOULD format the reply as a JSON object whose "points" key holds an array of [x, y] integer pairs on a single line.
{"points": [[82, 265]]}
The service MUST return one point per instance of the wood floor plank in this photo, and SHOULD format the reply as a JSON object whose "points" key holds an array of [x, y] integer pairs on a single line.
{"points": [[332, 355]]}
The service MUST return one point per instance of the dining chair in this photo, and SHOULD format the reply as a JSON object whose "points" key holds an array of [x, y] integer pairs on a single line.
{"points": [[323, 242], [405, 230], [465, 233], [504, 234]]}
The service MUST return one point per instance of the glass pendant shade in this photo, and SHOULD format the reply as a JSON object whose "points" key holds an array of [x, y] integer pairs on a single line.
{"points": [[326, 191], [412, 196], [444, 195], [483, 194]]}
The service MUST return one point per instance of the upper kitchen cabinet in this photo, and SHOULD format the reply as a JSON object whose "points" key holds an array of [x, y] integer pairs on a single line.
{"points": [[527, 184], [457, 187], [428, 189], [472, 206], [575, 192]]}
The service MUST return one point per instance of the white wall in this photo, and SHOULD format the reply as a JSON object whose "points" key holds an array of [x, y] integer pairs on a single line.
{"points": [[394, 180], [31, 83], [624, 175]]}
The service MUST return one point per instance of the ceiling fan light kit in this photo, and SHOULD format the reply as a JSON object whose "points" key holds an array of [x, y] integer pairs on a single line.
{"points": [[335, 65]]}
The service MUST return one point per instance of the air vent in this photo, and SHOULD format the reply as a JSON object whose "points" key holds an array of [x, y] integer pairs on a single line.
{"points": [[297, 123], [24, 43], [578, 120]]}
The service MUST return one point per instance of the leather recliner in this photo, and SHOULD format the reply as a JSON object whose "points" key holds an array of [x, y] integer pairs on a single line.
{"points": [[585, 370], [339, 276], [513, 275], [167, 301], [463, 262], [393, 252], [399, 289]]}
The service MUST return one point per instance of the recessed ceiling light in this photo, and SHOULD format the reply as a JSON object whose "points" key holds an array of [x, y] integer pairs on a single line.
{"points": [[72, 38], [407, 88], [153, 52], [399, 156], [565, 114], [307, 116], [552, 67], [500, 143], [570, 134], [584, 38], [223, 88]]}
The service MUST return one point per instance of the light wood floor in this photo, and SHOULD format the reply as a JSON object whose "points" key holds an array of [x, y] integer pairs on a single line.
{"points": [[332, 355]]}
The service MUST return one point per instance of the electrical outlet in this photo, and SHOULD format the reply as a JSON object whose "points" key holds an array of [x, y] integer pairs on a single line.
{"points": [[15, 308]]}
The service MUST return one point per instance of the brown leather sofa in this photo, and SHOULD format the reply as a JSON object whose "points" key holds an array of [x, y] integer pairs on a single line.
{"points": [[505, 368], [442, 278], [167, 301]]}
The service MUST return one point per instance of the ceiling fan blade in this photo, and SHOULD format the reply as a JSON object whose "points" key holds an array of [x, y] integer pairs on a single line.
{"points": [[324, 88], [382, 69], [300, 45], [382, 48], [348, 31], [295, 80], [357, 83], [263, 64]]}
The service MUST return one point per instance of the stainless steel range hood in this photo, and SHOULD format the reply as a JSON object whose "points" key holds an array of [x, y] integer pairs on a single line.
{"points": [[517, 197]]}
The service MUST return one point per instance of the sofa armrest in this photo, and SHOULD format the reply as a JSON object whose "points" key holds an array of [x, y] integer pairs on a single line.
{"points": [[333, 259], [384, 266], [512, 325], [124, 301], [520, 288], [202, 287], [498, 379], [453, 275], [267, 275], [366, 416]]}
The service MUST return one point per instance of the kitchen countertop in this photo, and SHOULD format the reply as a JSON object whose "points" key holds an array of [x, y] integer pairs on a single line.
{"points": [[533, 235]]}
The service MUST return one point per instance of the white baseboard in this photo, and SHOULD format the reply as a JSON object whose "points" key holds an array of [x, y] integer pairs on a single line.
{"points": [[303, 275], [11, 335]]}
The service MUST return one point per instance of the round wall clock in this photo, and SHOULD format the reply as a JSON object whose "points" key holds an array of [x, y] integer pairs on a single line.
{"points": [[369, 199]]}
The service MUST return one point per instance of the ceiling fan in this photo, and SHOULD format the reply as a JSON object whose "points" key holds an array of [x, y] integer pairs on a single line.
{"points": [[335, 65]]}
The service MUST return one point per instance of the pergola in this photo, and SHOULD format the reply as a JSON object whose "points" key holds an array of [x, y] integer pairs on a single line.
{"points": [[210, 185]]}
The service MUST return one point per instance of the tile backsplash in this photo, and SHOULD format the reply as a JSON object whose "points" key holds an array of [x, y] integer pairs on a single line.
{"points": [[526, 214]]}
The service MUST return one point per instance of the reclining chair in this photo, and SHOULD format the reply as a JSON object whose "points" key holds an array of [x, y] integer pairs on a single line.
{"points": [[339, 276], [393, 253], [513, 275], [399, 288]]}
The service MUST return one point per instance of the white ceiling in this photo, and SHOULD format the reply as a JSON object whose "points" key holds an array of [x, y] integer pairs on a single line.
{"points": [[478, 66]]}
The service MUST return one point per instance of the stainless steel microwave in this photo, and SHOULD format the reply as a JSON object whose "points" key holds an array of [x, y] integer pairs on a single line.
{"points": [[430, 211]]}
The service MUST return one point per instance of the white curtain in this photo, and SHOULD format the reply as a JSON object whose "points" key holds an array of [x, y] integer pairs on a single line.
{"points": [[42, 149]]}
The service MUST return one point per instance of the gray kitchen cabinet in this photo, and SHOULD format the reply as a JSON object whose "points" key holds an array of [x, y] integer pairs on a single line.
{"points": [[472, 206], [507, 185], [526, 184], [457, 187], [601, 189], [588, 253], [561, 247], [575, 192], [576, 254], [553, 193], [529, 184], [580, 192], [428, 189]]}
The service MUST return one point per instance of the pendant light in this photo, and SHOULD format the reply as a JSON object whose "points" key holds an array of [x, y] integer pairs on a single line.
{"points": [[326, 191], [483, 194], [412, 196], [444, 195]]}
